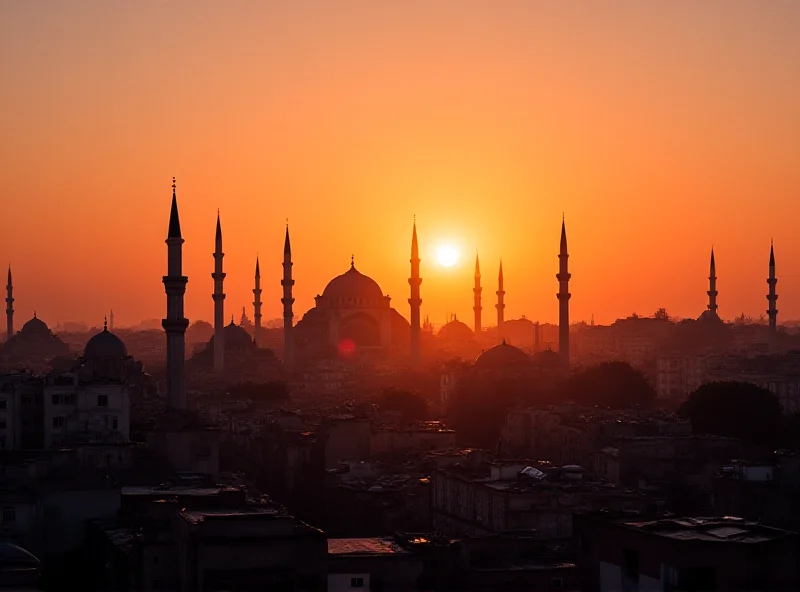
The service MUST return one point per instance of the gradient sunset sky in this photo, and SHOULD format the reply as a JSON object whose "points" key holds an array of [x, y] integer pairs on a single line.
{"points": [[658, 128]]}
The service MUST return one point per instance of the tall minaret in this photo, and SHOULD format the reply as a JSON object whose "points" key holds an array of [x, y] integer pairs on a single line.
{"points": [[772, 298], [175, 324], [712, 286], [415, 301], [111, 321], [500, 305], [477, 292], [257, 305], [563, 296], [287, 282], [9, 307], [219, 302]]}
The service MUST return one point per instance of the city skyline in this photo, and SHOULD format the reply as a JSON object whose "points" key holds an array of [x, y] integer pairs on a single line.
{"points": [[351, 121]]}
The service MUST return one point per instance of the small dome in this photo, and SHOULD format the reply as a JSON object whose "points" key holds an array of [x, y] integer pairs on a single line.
{"points": [[35, 326], [13, 554], [353, 285], [502, 357], [235, 337], [455, 330], [105, 345], [547, 357]]}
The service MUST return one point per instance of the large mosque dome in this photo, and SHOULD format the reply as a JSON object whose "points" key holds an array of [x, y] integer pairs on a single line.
{"points": [[35, 326], [105, 345], [353, 286], [502, 357]]}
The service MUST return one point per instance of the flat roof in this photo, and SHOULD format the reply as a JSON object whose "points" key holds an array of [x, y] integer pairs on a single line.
{"points": [[196, 516], [729, 529], [180, 490], [366, 546]]}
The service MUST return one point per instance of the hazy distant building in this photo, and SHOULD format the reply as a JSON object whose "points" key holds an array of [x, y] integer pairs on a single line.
{"points": [[33, 346]]}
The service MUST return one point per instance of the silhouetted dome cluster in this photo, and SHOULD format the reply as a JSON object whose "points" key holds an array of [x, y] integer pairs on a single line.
{"points": [[455, 331]]}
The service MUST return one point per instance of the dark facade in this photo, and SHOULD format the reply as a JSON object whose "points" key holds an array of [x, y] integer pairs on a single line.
{"points": [[631, 553]]}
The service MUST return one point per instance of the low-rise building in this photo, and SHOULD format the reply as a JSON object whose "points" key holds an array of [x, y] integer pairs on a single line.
{"points": [[627, 552]]}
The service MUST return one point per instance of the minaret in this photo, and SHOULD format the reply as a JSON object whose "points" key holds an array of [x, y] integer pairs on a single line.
{"points": [[257, 305], [563, 296], [9, 307], [712, 286], [415, 301], [500, 305], [175, 324], [219, 302], [287, 282], [111, 321], [772, 298], [477, 297]]}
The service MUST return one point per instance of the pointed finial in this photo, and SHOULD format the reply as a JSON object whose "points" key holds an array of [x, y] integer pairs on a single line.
{"points": [[562, 217], [231, 319], [105, 323], [352, 261], [34, 314], [173, 185]]}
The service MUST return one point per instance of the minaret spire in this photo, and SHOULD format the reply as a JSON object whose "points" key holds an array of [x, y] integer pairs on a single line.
{"points": [[772, 298], [712, 286], [175, 323], [9, 306], [287, 282], [415, 301], [111, 320], [257, 305], [563, 295], [219, 301], [500, 305], [477, 297]]}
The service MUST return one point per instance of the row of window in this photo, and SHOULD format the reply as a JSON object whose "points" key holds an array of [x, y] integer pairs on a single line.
{"points": [[69, 399], [59, 421]]}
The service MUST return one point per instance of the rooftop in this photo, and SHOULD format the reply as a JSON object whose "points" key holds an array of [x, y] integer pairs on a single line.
{"points": [[249, 511], [371, 546], [729, 529]]}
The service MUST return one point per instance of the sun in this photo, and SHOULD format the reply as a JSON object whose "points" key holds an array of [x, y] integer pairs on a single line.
{"points": [[446, 255]]}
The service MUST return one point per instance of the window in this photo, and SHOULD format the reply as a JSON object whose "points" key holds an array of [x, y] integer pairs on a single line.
{"points": [[356, 582], [69, 399], [9, 515], [58, 422], [102, 400], [56, 399], [27, 400], [556, 583], [114, 423]]}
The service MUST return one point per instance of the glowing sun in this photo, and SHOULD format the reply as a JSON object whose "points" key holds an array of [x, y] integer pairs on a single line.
{"points": [[447, 255]]}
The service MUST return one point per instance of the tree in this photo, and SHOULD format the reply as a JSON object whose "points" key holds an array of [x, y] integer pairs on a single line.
{"points": [[616, 385], [661, 314], [408, 404], [735, 410]]}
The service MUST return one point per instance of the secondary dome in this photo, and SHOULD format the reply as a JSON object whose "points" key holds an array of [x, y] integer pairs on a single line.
{"points": [[353, 285], [105, 345], [35, 326], [455, 330], [502, 357], [235, 337]]}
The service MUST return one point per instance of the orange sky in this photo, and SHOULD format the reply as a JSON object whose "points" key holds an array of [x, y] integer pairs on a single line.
{"points": [[658, 127]]}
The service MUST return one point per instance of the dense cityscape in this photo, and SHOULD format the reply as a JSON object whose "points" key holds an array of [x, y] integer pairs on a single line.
{"points": [[468, 296], [353, 449]]}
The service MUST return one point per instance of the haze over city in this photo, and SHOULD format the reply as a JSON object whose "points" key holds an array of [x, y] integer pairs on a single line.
{"points": [[659, 129]]}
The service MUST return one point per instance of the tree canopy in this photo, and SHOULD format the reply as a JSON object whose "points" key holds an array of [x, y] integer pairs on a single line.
{"points": [[736, 410], [615, 385]]}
